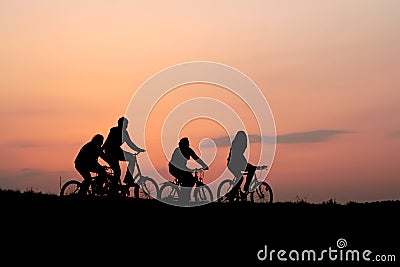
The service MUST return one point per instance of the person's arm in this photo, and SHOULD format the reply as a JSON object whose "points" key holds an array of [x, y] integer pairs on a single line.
{"points": [[202, 163], [101, 153], [129, 142], [98, 152], [100, 168], [198, 159]]}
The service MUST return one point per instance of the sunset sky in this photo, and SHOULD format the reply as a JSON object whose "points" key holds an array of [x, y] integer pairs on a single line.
{"points": [[328, 69]]}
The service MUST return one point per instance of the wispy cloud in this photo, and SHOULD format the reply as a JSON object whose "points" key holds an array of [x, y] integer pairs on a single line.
{"points": [[396, 134], [309, 137], [222, 141], [290, 138]]}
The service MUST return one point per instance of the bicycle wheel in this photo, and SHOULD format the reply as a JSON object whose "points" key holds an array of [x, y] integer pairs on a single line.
{"points": [[70, 188], [202, 194], [262, 194], [223, 188], [169, 193], [148, 188]]}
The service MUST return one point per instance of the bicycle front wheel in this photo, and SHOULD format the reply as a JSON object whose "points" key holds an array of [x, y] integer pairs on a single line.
{"points": [[148, 188], [224, 187], [169, 193], [262, 194], [202, 194], [70, 188]]}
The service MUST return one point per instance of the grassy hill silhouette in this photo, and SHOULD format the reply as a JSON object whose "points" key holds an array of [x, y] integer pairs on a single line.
{"points": [[118, 230]]}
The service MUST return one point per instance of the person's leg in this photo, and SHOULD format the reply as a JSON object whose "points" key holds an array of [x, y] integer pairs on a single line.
{"points": [[235, 190], [100, 179], [114, 165], [250, 169], [175, 172], [188, 182], [238, 177], [188, 179], [112, 159], [85, 173], [131, 160]]}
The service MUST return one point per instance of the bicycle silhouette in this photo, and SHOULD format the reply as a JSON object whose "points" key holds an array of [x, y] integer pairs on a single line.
{"points": [[171, 191], [144, 187], [259, 190]]}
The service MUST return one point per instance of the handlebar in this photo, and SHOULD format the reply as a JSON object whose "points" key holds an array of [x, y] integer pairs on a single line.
{"points": [[138, 152], [198, 169], [262, 167]]}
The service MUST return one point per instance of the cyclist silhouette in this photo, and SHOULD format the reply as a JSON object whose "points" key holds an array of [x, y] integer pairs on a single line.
{"points": [[238, 164], [113, 153], [87, 161], [177, 166]]}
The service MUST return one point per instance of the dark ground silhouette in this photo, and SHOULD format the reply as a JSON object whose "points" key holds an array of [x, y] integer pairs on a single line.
{"points": [[46, 229]]}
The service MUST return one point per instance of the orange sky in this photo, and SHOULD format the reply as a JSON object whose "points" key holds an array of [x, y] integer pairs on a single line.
{"points": [[328, 69]]}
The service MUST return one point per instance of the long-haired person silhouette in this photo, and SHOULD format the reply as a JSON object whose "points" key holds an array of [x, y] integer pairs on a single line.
{"points": [[237, 163]]}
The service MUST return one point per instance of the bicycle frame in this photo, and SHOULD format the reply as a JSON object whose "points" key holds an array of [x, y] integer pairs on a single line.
{"points": [[259, 190], [136, 166], [104, 184], [254, 183], [171, 191], [199, 179], [141, 182]]}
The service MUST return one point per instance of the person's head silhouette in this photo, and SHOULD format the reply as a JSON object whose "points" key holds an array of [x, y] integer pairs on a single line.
{"points": [[239, 143], [123, 122], [184, 143], [98, 139]]}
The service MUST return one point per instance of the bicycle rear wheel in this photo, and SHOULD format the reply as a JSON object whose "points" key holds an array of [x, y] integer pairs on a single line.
{"points": [[148, 188], [202, 194], [169, 193], [224, 187], [70, 188], [262, 194]]}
